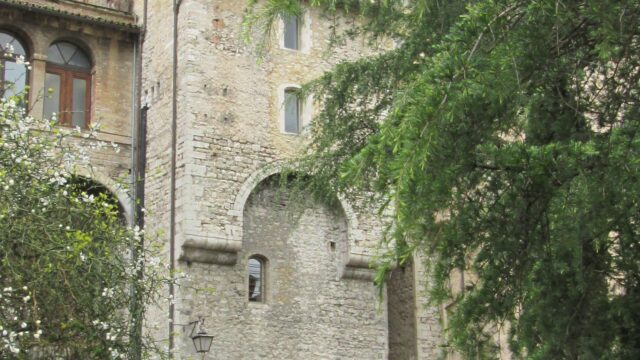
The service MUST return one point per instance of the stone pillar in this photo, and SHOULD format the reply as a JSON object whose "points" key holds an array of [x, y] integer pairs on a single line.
{"points": [[37, 91]]}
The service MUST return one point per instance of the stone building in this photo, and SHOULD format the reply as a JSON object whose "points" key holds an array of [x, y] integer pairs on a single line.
{"points": [[204, 129]]}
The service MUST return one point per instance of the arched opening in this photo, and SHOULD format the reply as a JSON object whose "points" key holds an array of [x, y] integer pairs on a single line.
{"points": [[303, 239], [257, 265], [292, 110], [14, 73], [95, 190]]}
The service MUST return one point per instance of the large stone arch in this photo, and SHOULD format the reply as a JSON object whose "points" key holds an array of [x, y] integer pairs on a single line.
{"points": [[355, 264], [260, 175], [223, 248], [303, 299]]}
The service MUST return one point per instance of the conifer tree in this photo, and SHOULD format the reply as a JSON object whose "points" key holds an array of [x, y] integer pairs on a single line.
{"points": [[504, 137]]}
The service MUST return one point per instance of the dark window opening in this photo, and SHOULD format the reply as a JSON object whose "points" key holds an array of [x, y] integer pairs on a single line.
{"points": [[256, 279]]}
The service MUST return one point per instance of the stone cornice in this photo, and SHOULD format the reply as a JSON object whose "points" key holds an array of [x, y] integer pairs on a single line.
{"points": [[72, 10]]}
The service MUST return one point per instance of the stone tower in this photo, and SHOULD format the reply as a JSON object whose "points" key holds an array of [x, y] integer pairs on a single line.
{"points": [[204, 128], [287, 281]]}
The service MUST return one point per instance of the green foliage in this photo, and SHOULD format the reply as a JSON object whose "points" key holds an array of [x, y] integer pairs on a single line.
{"points": [[503, 135], [66, 266]]}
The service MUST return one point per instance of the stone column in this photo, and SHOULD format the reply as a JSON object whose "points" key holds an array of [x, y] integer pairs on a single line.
{"points": [[37, 91]]}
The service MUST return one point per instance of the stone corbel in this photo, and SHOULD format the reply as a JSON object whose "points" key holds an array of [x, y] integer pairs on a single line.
{"points": [[358, 267], [211, 250]]}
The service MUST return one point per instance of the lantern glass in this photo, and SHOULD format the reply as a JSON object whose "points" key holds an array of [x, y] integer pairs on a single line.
{"points": [[202, 341]]}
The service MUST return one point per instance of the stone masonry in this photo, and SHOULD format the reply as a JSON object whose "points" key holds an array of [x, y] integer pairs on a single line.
{"points": [[319, 300]]}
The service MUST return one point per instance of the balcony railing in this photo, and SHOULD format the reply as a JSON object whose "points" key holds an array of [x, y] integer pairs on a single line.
{"points": [[121, 5]]}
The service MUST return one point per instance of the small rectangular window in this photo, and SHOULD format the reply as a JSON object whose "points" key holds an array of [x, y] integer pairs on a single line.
{"points": [[291, 112], [292, 33], [256, 279]]}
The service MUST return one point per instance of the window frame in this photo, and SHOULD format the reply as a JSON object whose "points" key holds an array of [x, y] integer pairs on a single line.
{"points": [[262, 296], [305, 104], [299, 110], [14, 58], [298, 32], [67, 74], [304, 34]]}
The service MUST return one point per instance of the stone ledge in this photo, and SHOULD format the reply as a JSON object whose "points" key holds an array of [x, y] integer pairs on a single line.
{"points": [[207, 256], [358, 267], [222, 251], [210, 250], [79, 11]]}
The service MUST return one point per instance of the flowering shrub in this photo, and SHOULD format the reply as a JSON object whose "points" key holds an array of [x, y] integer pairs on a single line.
{"points": [[66, 269]]}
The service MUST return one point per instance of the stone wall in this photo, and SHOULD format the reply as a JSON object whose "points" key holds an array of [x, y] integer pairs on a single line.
{"points": [[156, 94], [401, 305], [429, 326], [229, 139], [308, 311]]}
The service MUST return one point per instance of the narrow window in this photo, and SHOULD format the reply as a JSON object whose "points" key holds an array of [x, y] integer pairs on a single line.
{"points": [[292, 32], [68, 85], [256, 278], [13, 71], [292, 111]]}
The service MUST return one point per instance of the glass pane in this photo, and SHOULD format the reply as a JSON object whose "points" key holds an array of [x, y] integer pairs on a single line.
{"points": [[52, 95], [291, 112], [7, 41], [255, 280], [54, 56], [291, 32], [79, 103], [80, 60], [67, 50], [15, 78]]}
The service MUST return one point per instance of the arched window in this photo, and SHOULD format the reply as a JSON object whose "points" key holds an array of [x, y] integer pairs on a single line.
{"points": [[256, 267], [68, 85], [292, 111], [13, 70]]}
